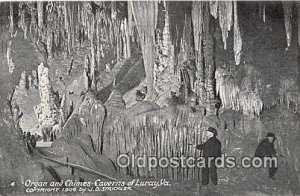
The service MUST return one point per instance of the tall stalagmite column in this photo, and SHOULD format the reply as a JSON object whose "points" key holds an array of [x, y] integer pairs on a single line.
{"points": [[209, 61], [197, 18]]}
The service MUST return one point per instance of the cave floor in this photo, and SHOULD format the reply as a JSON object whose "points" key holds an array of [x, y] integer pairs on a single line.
{"points": [[254, 185]]}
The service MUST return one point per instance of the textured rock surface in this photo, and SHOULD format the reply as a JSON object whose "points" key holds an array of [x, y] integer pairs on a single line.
{"points": [[79, 152], [88, 117], [15, 162], [114, 104]]}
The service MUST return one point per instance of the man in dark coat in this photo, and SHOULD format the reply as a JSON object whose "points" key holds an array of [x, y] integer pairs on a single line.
{"points": [[33, 141], [266, 149], [211, 148]]}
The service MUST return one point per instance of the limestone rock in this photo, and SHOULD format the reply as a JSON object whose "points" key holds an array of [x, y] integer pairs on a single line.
{"points": [[114, 104], [78, 153], [141, 107], [88, 117], [16, 164]]}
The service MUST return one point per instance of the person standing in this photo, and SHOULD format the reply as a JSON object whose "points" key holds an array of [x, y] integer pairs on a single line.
{"points": [[211, 150], [266, 149], [33, 141]]}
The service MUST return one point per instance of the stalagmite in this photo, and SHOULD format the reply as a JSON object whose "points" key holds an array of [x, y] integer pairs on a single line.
{"points": [[46, 111], [34, 79], [287, 9], [288, 93], [208, 45], [142, 10], [22, 83], [29, 81], [237, 46]]}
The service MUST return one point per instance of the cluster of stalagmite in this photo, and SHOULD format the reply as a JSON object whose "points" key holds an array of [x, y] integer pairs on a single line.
{"points": [[22, 83], [46, 112], [289, 94]]}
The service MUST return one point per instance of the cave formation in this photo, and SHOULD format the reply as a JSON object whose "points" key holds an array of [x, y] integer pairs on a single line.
{"points": [[93, 80]]}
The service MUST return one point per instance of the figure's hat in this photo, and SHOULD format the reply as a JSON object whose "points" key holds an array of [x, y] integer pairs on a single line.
{"points": [[213, 130], [269, 134]]}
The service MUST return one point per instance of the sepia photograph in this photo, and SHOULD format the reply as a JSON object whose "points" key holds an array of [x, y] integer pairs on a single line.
{"points": [[157, 97]]}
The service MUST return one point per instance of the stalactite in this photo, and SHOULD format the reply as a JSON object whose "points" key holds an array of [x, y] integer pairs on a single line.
{"points": [[237, 46], [66, 25], [33, 24], [86, 73], [165, 78], [185, 56], [93, 54], [287, 9], [298, 20], [49, 43], [238, 97], [130, 19], [214, 8], [99, 47], [11, 18], [225, 19], [40, 12], [10, 63], [22, 21], [142, 10], [157, 135], [197, 19], [264, 13]]}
